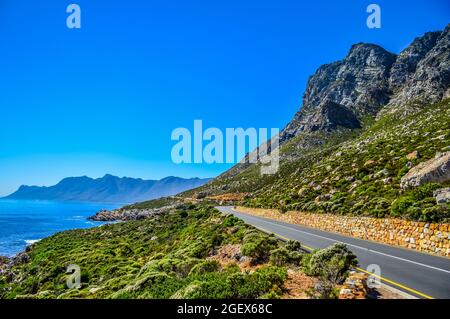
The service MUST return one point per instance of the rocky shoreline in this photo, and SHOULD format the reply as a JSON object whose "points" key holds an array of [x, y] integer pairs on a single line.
{"points": [[7, 263], [123, 214]]}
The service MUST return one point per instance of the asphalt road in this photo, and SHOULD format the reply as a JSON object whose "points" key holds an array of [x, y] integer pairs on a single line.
{"points": [[418, 274]]}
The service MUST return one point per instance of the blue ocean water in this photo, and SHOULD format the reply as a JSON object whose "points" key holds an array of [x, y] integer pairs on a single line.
{"points": [[24, 222]]}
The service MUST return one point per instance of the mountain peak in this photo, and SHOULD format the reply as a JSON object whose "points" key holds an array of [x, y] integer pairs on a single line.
{"points": [[364, 47]]}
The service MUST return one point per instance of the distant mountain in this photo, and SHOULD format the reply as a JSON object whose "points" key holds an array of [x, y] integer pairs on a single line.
{"points": [[109, 188]]}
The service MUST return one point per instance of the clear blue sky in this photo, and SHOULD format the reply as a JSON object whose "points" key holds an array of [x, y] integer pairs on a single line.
{"points": [[105, 99]]}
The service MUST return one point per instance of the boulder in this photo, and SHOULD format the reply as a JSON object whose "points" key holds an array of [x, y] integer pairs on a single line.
{"points": [[442, 195], [435, 170]]}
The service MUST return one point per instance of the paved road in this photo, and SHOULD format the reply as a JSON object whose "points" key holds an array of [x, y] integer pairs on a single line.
{"points": [[418, 274]]}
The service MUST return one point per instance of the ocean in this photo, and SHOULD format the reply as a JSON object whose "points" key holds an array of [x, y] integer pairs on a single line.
{"points": [[25, 222]]}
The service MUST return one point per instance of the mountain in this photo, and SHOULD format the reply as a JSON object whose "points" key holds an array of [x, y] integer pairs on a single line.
{"points": [[345, 96], [367, 123], [109, 188], [370, 79]]}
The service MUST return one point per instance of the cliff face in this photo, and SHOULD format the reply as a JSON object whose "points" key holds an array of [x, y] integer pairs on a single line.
{"points": [[341, 93], [369, 80], [422, 71]]}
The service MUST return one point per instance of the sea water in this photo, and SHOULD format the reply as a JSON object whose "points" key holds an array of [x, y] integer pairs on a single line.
{"points": [[23, 223]]}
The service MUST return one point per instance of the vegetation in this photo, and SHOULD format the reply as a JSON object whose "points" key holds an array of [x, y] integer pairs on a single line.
{"points": [[166, 256], [152, 204]]}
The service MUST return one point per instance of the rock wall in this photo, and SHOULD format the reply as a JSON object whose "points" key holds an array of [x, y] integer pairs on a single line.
{"points": [[426, 237]]}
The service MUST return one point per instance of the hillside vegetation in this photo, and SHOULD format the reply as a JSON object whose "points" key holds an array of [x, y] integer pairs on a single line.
{"points": [[354, 172], [173, 255]]}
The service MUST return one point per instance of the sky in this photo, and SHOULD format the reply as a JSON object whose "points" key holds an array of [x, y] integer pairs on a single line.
{"points": [[105, 98]]}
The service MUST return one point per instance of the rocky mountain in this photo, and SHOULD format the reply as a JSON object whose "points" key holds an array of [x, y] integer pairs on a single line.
{"points": [[369, 79], [368, 83], [109, 188]]}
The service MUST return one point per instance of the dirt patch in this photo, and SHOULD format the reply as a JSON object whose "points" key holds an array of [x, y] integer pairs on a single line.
{"points": [[229, 254], [385, 293], [297, 284]]}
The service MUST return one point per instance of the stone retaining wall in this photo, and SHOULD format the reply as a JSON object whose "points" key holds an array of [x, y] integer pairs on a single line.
{"points": [[426, 237]]}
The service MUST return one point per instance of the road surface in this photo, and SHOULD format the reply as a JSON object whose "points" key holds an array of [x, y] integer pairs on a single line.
{"points": [[418, 274]]}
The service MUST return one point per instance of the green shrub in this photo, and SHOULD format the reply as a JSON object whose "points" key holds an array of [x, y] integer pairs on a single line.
{"points": [[331, 263], [283, 257], [425, 191], [205, 267], [235, 284], [231, 221], [293, 245], [401, 205], [258, 247], [436, 213]]}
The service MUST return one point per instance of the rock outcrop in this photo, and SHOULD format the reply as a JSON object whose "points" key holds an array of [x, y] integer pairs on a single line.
{"points": [[406, 63], [422, 71], [435, 170], [442, 195], [123, 214]]}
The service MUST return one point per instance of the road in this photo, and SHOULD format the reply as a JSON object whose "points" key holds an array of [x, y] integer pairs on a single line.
{"points": [[418, 274]]}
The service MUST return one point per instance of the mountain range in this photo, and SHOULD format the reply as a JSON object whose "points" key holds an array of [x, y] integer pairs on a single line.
{"points": [[107, 189]]}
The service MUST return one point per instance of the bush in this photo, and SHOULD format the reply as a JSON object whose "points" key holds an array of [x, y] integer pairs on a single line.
{"points": [[425, 191], [265, 281], [231, 221], [436, 213], [205, 267], [331, 264], [293, 245], [258, 247], [283, 256], [401, 205]]}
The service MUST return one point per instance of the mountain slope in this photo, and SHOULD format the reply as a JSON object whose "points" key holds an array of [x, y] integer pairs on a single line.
{"points": [[107, 189], [365, 122]]}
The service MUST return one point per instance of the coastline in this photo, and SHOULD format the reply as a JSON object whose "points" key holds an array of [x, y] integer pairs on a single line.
{"points": [[23, 223], [102, 217]]}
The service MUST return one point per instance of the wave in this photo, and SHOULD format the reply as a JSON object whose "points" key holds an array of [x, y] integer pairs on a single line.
{"points": [[31, 241]]}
